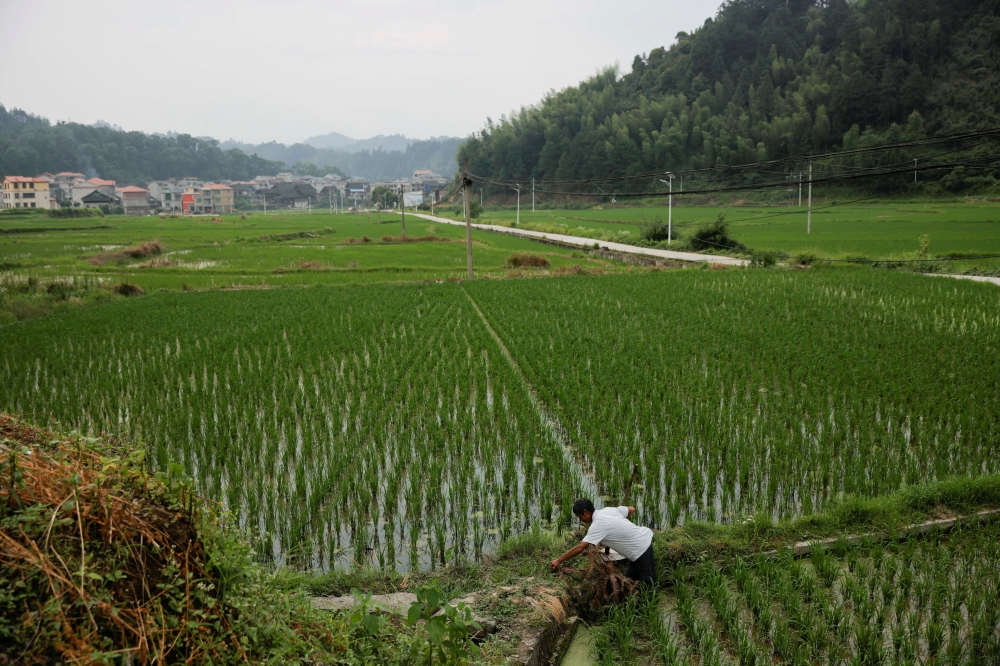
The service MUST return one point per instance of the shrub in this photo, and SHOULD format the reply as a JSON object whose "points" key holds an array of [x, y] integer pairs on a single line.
{"points": [[655, 231], [715, 237], [74, 212], [805, 258], [527, 260]]}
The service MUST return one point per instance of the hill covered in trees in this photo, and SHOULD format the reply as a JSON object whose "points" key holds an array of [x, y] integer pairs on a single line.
{"points": [[764, 79], [30, 145]]}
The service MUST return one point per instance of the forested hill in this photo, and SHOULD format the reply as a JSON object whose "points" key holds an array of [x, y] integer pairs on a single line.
{"points": [[764, 79], [30, 145]]}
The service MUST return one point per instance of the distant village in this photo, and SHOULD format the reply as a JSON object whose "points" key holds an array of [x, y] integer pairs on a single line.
{"points": [[192, 196]]}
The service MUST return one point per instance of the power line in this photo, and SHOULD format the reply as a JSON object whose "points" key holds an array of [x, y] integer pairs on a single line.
{"points": [[793, 159], [984, 162]]}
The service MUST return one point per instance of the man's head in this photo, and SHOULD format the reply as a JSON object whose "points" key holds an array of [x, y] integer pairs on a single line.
{"points": [[583, 509]]}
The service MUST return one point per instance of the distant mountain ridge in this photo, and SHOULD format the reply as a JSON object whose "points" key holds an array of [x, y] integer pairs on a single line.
{"points": [[382, 157], [30, 144]]}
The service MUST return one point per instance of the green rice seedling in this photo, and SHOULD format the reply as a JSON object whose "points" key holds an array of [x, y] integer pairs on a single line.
{"points": [[666, 651]]}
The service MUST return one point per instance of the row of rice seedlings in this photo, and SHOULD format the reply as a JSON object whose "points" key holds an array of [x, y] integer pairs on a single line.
{"points": [[700, 632], [924, 600], [394, 436], [739, 392], [637, 630]]}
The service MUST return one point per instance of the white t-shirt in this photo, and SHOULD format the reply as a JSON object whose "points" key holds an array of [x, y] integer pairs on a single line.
{"points": [[610, 527]]}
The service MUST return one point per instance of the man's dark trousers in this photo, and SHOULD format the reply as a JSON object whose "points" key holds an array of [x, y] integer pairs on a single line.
{"points": [[644, 568]]}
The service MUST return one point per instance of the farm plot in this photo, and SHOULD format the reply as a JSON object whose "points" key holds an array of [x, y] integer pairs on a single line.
{"points": [[923, 600], [741, 392], [376, 425]]}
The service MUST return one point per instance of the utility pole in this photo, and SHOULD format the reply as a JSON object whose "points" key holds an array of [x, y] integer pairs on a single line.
{"points": [[480, 197], [914, 171], [518, 205], [800, 189], [265, 202], [532, 195], [670, 211], [809, 214], [331, 202], [466, 182], [402, 209]]}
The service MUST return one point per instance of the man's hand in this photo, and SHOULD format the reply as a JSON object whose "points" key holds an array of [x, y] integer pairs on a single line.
{"points": [[631, 510], [554, 564]]}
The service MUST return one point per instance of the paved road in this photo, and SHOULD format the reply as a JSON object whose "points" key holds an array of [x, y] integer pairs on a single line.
{"points": [[589, 243], [977, 278]]}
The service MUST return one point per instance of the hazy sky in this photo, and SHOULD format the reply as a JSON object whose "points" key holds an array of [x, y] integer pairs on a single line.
{"points": [[257, 71]]}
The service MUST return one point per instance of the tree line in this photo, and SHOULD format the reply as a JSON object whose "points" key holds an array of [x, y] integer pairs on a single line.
{"points": [[30, 145], [765, 79]]}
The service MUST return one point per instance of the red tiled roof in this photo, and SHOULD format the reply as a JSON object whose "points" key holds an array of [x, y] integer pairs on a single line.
{"points": [[24, 179], [69, 174], [217, 186], [100, 183], [130, 189]]}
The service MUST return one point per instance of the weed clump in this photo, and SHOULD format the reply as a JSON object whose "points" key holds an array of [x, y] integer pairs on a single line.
{"points": [[128, 289], [527, 260], [140, 251]]}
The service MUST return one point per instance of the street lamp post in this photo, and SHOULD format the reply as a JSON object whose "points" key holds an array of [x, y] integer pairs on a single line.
{"points": [[670, 206]]}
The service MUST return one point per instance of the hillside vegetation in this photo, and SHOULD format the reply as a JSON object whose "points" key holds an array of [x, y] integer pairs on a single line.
{"points": [[765, 79], [29, 144]]}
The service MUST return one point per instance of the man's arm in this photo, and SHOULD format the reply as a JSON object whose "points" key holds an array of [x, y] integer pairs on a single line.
{"points": [[568, 555], [631, 510]]}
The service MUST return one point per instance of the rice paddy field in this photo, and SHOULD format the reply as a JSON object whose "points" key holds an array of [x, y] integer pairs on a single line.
{"points": [[415, 425], [921, 600], [839, 230], [284, 249]]}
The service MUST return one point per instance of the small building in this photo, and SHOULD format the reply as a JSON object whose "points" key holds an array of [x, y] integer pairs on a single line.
{"points": [[171, 200], [26, 192], [134, 200], [96, 199], [83, 188], [290, 195], [219, 198]]}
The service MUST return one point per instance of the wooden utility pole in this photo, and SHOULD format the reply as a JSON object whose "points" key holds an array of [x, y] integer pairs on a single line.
{"points": [[402, 209], [466, 182]]}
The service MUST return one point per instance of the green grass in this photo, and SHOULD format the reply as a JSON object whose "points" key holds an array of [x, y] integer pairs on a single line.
{"points": [[206, 254], [876, 230]]}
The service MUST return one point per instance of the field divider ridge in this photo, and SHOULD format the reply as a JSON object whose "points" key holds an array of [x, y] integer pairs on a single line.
{"points": [[549, 420], [804, 548]]}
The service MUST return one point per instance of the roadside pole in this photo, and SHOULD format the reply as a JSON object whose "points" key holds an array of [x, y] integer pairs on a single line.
{"points": [[518, 223], [402, 209], [800, 189], [466, 182], [532, 195], [809, 214]]}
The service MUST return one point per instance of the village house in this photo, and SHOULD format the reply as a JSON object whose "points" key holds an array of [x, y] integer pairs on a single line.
{"points": [[26, 192], [134, 200], [209, 199], [82, 188], [290, 195]]}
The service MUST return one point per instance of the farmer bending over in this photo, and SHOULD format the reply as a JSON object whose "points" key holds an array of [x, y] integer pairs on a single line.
{"points": [[611, 528]]}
